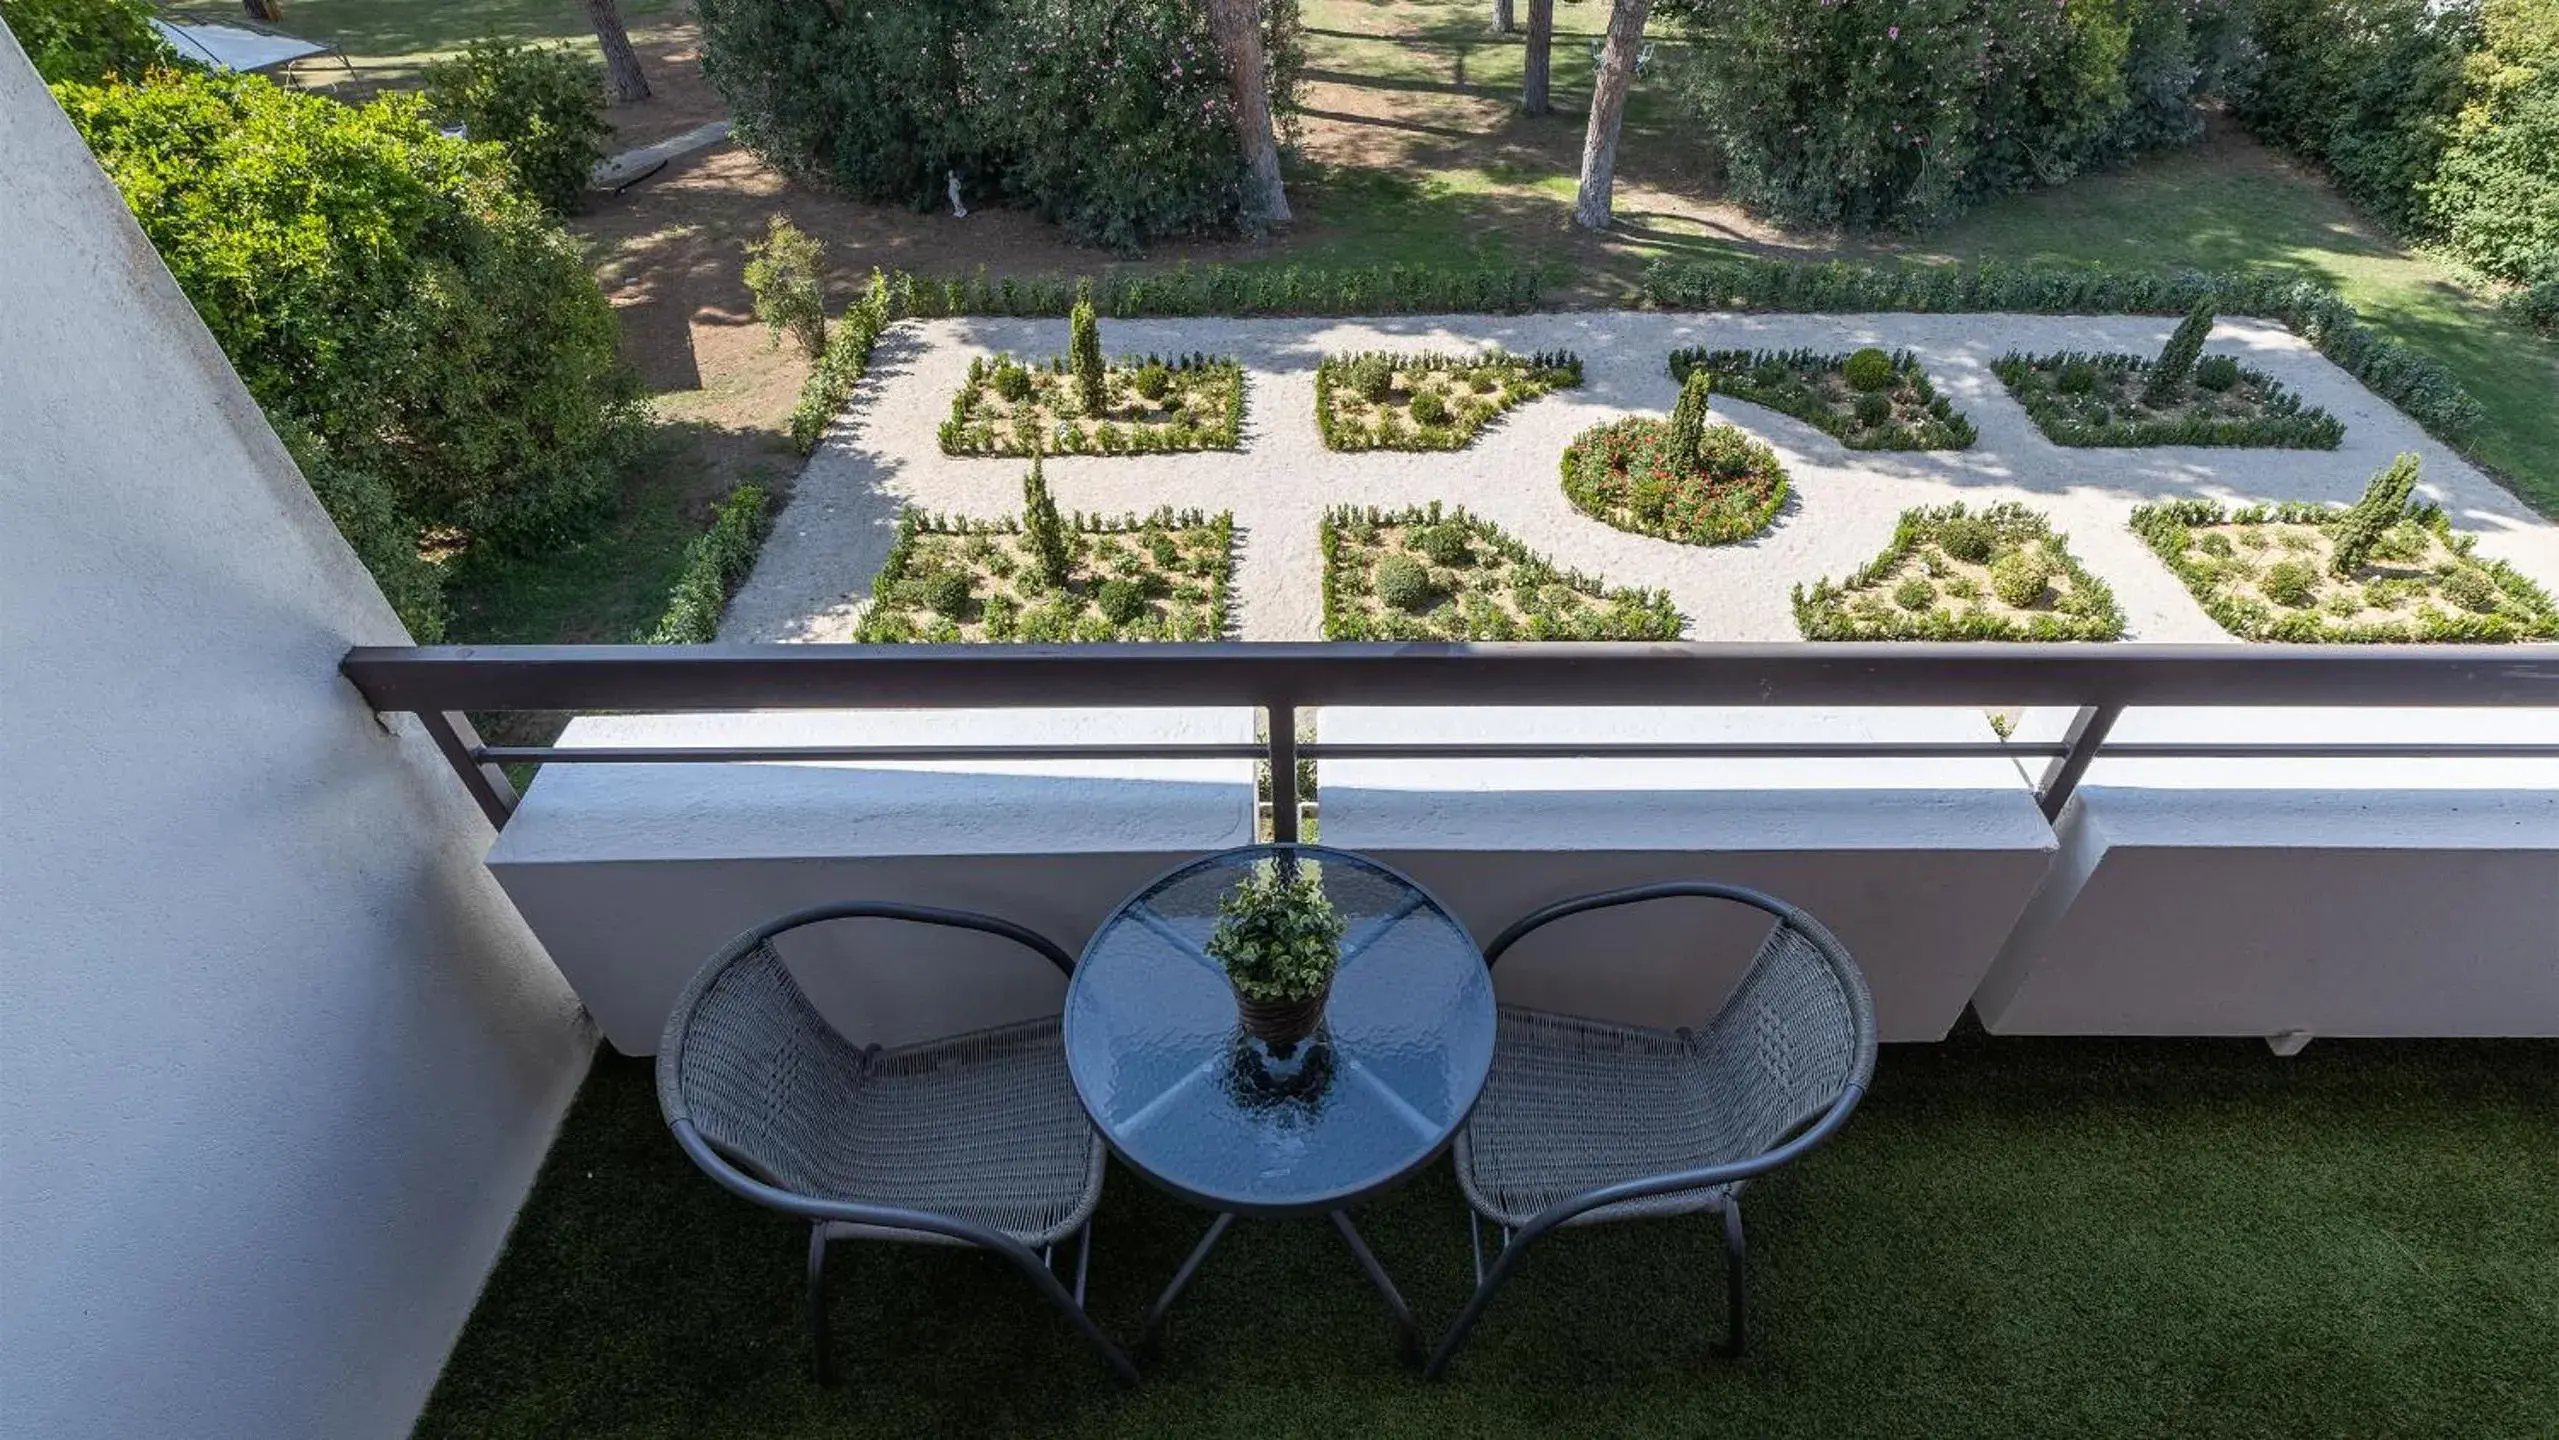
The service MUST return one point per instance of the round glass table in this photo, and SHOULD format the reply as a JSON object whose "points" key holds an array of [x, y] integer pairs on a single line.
{"points": [[1189, 1101]]}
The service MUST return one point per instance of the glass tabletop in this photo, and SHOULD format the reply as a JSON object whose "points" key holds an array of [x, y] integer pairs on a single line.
{"points": [[1181, 1094]]}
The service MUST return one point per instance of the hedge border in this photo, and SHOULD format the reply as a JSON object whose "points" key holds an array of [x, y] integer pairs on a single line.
{"points": [[913, 521], [2165, 525], [717, 560], [1338, 617], [2288, 424], [1229, 434], [1341, 439]]}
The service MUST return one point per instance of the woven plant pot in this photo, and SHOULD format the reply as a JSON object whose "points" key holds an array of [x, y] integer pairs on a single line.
{"points": [[1280, 1024]]}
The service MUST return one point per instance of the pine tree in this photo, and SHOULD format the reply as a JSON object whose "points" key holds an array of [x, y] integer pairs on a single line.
{"points": [[2384, 503], [1688, 420], [1044, 530], [2176, 362], [1084, 351]]}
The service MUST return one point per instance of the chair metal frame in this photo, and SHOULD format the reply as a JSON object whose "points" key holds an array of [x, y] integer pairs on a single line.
{"points": [[1804, 1136], [833, 1219]]}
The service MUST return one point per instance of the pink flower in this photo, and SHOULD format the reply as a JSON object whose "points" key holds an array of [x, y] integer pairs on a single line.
{"points": [[1892, 32]]}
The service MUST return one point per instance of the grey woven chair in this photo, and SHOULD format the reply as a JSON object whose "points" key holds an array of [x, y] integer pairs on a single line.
{"points": [[973, 1140], [1583, 1122]]}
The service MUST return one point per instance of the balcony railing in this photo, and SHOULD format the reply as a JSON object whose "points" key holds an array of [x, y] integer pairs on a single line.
{"points": [[442, 684]]}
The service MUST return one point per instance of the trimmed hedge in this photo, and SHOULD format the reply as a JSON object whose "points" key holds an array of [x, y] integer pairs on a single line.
{"points": [[717, 560], [2022, 552], [2070, 419], [831, 382], [1742, 373], [937, 563], [2524, 610], [1051, 388], [2415, 383], [1491, 289]]}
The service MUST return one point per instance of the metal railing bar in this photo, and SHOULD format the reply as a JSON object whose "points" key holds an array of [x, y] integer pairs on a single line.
{"points": [[1595, 750], [748, 754], [460, 743], [2087, 732], [671, 678]]}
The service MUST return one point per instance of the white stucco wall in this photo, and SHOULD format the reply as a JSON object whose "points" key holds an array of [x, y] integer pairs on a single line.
{"points": [[2296, 897], [1918, 866], [277, 1058], [634, 875]]}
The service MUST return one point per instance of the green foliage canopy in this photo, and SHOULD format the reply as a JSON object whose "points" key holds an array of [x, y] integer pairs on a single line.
{"points": [[87, 42], [541, 104]]}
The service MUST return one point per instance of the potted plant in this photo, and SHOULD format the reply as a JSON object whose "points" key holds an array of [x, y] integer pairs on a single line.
{"points": [[1280, 940]]}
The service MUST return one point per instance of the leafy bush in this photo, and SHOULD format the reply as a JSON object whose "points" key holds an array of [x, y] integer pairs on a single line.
{"points": [[782, 277], [1117, 570], [1444, 544], [1868, 370], [1446, 399], [1967, 537], [1152, 381], [1371, 376], [1915, 593], [1814, 388], [1404, 584], [87, 42], [2022, 577], [2368, 88], [1121, 601], [946, 593], [543, 105], [2290, 583], [1050, 406], [384, 286], [1428, 409], [382, 535], [1013, 382], [714, 565], [1865, 115], [1874, 410], [2536, 306], [2214, 372], [1113, 120], [2472, 589], [2415, 383], [2495, 193]]}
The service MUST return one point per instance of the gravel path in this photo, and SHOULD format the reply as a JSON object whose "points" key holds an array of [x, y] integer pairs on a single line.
{"points": [[815, 572]]}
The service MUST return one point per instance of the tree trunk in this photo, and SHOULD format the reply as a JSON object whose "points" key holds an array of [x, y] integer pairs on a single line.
{"points": [[1237, 24], [1541, 52], [1504, 22], [621, 62], [1608, 112]]}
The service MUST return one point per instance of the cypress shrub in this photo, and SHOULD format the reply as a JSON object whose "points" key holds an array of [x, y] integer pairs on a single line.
{"points": [[2176, 362], [2384, 501], [1044, 530]]}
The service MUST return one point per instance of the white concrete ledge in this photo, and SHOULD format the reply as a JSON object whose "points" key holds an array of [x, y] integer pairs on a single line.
{"points": [[2295, 898], [1919, 866], [633, 875]]}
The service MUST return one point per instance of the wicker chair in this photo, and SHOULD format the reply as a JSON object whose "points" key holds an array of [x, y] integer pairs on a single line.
{"points": [[1583, 1122], [973, 1140]]}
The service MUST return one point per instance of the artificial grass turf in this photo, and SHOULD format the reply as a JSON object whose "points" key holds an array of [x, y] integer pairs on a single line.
{"points": [[2010, 1238]]}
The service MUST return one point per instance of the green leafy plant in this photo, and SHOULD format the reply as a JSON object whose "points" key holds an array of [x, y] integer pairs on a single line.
{"points": [[2168, 374], [1443, 402], [1868, 370], [1494, 588], [1915, 593], [946, 593], [1121, 601], [2383, 504], [1815, 388], [839, 370], [1084, 353], [2214, 372], [1044, 530], [386, 288], [1403, 584], [2123, 404], [2042, 591], [1152, 381], [1277, 933], [88, 42], [541, 104], [782, 273], [716, 563], [2399, 605]]}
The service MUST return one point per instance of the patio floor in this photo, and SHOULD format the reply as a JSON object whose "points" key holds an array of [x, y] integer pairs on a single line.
{"points": [[2011, 1237]]}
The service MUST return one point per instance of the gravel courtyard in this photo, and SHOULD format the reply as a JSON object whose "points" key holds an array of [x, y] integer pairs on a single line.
{"points": [[815, 572]]}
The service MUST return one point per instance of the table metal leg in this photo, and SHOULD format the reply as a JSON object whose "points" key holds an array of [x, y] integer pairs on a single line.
{"points": [[1377, 1276], [1182, 1277]]}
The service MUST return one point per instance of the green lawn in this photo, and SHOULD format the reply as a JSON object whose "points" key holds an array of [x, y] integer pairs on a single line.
{"points": [[2011, 1238], [390, 38]]}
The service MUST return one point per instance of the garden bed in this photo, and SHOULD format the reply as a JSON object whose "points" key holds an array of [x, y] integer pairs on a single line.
{"points": [[2078, 399], [1626, 474], [1954, 574], [1429, 574], [2263, 573], [949, 580], [1152, 406], [1375, 400], [1897, 407]]}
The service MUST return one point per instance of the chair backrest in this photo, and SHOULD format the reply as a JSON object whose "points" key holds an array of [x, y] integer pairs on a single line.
{"points": [[758, 1073], [1795, 1037]]}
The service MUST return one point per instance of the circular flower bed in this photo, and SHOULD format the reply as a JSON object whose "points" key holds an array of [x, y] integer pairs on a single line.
{"points": [[1624, 473]]}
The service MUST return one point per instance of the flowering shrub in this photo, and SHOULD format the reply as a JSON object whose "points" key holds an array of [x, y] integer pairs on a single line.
{"points": [[1625, 473], [1908, 111], [1110, 117]]}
